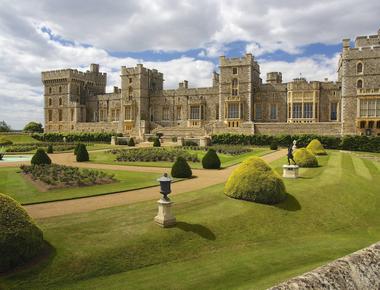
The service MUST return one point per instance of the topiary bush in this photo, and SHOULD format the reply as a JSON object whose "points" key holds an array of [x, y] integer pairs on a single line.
{"points": [[304, 158], [156, 142], [211, 160], [254, 180], [316, 147], [40, 157], [273, 145], [82, 154], [131, 142], [20, 239], [181, 169], [50, 149]]}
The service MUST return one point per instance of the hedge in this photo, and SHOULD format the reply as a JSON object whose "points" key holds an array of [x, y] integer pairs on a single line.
{"points": [[211, 160], [305, 158], [40, 157], [181, 169], [75, 137], [353, 143], [316, 147], [81, 153]]}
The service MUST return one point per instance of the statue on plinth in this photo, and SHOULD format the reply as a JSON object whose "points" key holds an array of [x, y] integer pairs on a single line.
{"points": [[291, 149]]}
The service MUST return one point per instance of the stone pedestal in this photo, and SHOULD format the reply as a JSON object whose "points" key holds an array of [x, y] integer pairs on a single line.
{"points": [[164, 217], [113, 140], [290, 171]]}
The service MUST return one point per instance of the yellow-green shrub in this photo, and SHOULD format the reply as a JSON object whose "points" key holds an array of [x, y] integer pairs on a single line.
{"points": [[304, 158], [316, 147], [255, 180]]}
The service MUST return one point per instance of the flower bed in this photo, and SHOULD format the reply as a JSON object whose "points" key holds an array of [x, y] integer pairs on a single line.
{"points": [[58, 176], [153, 154], [224, 149]]}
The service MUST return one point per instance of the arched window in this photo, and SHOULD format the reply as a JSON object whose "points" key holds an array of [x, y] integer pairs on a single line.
{"points": [[49, 90], [359, 84], [50, 102], [359, 68], [60, 101], [234, 86], [60, 89]]}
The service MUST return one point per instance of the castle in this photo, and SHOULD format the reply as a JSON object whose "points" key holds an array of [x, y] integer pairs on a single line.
{"points": [[237, 102]]}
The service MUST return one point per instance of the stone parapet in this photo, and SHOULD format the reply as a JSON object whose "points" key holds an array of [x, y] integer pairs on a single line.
{"points": [[319, 128]]}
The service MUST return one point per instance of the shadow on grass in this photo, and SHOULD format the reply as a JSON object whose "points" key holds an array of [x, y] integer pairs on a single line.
{"points": [[200, 230], [290, 203]]}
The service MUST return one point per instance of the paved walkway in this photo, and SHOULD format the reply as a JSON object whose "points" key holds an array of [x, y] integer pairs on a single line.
{"points": [[204, 178]]}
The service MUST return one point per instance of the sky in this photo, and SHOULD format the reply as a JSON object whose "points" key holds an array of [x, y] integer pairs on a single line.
{"points": [[181, 38]]}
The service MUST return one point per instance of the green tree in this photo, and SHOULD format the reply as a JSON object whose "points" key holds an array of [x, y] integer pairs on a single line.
{"points": [[4, 127], [40, 157], [181, 169], [82, 154], [33, 127]]}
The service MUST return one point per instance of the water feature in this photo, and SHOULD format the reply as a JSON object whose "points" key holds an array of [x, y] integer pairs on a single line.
{"points": [[15, 158]]}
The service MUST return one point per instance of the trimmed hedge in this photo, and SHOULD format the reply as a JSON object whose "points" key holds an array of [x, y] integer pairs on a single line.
{"points": [[40, 157], [82, 154], [254, 180], [156, 142], [50, 149], [316, 147], [181, 169], [305, 158], [20, 239], [354, 143], [75, 137], [131, 142], [211, 160], [273, 145]]}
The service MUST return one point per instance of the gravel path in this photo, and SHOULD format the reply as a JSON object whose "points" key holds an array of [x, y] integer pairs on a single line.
{"points": [[203, 178]]}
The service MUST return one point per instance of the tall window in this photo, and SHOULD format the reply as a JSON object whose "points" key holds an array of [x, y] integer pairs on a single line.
{"points": [[60, 117], [234, 70], [60, 89], [258, 111], [130, 93], [165, 113], [372, 108], [50, 102], [195, 112], [308, 110], [334, 111], [128, 113], [233, 111], [60, 101], [179, 112], [49, 90], [359, 84], [297, 110], [234, 87], [359, 68], [369, 108], [217, 111], [72, 114], [273, 111], [115, 115], [50, 115]]}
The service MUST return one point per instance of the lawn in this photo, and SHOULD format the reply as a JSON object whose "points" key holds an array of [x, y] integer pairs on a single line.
{"points": [[16, 186], [226, 159], [218, 243], [19, 138]]}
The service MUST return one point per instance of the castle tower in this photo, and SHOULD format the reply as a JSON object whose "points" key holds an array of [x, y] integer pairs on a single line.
{"points": [[239, 79]]}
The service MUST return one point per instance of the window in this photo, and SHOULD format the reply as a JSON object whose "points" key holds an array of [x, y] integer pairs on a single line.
{"points": [[78, 90], [273, 111], [60, 115], [234, 70], [60, 89], [233, 111], [49, 90], [297, 110], [195, 113], [359, 84], [72, 114], [217, 111], [258, 111], [370, 124], [50, 115], [60, 101], [130, 80], [308, 110], [165, 113], [359, 68], [128, 113], [50, 102], [234, 87], [179, 113], [333, 111], [115, 115], [130, 93], [362, 124], [378, 124]]}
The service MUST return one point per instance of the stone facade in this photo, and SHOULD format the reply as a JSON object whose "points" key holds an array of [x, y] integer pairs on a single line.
{"points": [[238, 101]]}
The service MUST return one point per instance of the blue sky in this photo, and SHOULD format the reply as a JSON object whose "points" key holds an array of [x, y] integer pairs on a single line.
{"points": [[181, 38]]}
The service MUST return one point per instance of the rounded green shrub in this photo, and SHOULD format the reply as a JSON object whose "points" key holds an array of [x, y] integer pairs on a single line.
{"points": [[316, 147], [156, 142], [211, 160], [40, 157], [5, 142], [254, 180], [304, 158], [50, 149], [273, 145], [20, 239], [181, 169], [76, 148], [82, 154], [131, 142]]}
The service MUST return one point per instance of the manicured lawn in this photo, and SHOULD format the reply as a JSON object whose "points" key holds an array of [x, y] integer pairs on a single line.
{"points": [[227, 160], [19, 138], [13, 184], [218, 243]]}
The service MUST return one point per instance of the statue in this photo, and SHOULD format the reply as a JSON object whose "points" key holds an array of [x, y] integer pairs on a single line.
{"points": [[291, 149]]}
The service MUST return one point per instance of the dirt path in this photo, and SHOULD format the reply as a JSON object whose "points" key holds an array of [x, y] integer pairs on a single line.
{"points": [[204, 178]]}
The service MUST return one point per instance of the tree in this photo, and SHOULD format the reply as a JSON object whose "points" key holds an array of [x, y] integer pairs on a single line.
{"points": [[181, 169], [4, 127], [211, 160], [40, 157], [156, 142], [33, 127], [82, 154]]}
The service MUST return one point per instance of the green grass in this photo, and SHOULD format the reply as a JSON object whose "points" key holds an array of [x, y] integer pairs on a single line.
{"points": [[226, 160], [219, 243], [19, 138], [13, 184]]}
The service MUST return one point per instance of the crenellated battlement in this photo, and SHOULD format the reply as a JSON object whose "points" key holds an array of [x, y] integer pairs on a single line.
{"points": [[248, 59], [69, 74]]}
